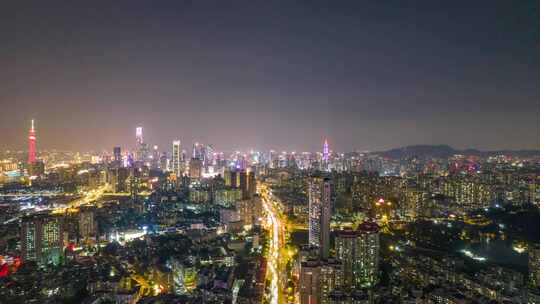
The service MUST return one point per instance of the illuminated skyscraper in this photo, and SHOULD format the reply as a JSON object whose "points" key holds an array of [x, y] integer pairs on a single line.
{"points": [[155, 158], [139, 135], [199, 151], [142, 147], [32, 144], [271, 158], [176, 165], [325, 156], [320, 207]]}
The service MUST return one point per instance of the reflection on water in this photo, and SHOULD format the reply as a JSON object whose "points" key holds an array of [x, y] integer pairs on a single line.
{"points": [[503, 251]]}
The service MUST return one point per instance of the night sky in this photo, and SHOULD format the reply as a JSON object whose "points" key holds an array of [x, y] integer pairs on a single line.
{"points": [[271, 74]]}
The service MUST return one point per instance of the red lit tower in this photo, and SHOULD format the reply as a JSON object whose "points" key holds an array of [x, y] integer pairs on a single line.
{"points": [[32, 145]]}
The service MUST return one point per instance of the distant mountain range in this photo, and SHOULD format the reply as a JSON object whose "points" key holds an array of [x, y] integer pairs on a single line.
{"points": [[445, 151]]}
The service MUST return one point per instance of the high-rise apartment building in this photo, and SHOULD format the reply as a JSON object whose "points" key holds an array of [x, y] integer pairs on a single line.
{"points": [[318, 279], [246, 182], [331, 279], [42, 239], [117, 179], [209, 158], [320, 207], [142, 147], [87, 223], [310, 282], [358, 250], [534, 266]]}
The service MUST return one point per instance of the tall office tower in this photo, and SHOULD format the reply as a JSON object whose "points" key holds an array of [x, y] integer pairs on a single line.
{"points": [[209, 156], [42, 239], [117, 151], [176, 159], [271, 157], [139, 135], [87, 223], [155, 158], [358, 250], [325, 156], [198, 151], [142, 147], [195, 169], [32, 144], [534, 266], [129, 160], [319, 214]]}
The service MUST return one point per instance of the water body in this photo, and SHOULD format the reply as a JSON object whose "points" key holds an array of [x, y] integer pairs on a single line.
{"points": [[500, 252]]}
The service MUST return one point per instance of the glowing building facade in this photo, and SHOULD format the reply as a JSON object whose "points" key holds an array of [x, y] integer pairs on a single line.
{"points": [[142, 147], [32, 144], [42, 239], [176, 163], [326, 156]]}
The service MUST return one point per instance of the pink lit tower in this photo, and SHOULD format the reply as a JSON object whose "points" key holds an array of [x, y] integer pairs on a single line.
{"points": [[325, 155], [32, 144]]}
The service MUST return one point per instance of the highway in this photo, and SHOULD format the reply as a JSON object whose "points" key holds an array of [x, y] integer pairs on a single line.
{"points": [[277, 254], [88, 197]]}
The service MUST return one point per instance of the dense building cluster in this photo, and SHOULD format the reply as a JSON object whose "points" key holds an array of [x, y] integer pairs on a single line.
{"points": [[151, 226]]}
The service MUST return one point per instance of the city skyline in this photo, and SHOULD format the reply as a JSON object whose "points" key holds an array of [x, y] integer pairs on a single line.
{"points": [[368, 76], [324, 149], [270, 152]]}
